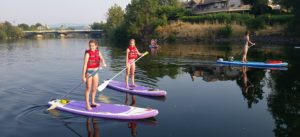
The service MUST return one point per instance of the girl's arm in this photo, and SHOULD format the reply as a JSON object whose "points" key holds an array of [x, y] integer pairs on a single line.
{"points": [[85, 61], [248, 39], [102, 59], [138, 52]]}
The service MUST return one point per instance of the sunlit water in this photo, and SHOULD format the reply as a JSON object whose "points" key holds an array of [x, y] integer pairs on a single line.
{"points": [[204, 99]]}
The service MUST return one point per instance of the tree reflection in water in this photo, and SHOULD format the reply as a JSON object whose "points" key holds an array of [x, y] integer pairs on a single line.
{"points": [[249, 80], [284, 101]]}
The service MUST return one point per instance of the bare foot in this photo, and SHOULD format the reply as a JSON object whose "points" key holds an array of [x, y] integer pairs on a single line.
{"points": [[133, 85], [88, 108]]}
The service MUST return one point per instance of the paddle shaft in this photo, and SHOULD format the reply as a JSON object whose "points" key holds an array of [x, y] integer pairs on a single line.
{"points": [[243, 50], [78, 85], [126, 68]]}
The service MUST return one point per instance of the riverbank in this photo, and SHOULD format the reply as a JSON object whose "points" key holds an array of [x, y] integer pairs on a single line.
{"points": [[207, 32]]}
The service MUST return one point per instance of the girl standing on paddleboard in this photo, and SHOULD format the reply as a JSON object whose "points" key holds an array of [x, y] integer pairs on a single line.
{"points": [[92, 60], [246, 46], [132, 54]]}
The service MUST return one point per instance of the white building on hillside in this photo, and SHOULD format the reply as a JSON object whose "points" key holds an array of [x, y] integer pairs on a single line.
{"points": [[213, 6]]}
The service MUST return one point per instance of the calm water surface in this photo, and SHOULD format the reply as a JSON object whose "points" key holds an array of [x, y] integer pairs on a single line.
{"points": [[204, 99]]}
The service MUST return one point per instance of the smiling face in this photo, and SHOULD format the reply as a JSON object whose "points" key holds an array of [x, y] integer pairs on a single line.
{"points": [[92, 46], [152, 42], [132, 42]]}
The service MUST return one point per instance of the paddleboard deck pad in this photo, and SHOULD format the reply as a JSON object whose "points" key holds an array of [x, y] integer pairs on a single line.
{"points": [[254, 64], [113, 111], [137, 89]]}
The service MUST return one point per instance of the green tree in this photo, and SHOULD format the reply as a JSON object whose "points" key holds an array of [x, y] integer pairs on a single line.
{"points": [[97, 26], [115, 17], [294, 7], [141, 17], [8, 31], [258, 6], [24, 27]]}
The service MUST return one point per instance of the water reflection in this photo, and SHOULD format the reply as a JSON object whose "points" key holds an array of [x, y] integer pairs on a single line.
{"points": [[251, 83], [284, 101], [211, 73], [132, 125], [92, 127], [249, 80]]}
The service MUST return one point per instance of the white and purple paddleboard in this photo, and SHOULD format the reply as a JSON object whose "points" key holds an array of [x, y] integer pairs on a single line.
{"points": [[114, 111], [139, 90]]}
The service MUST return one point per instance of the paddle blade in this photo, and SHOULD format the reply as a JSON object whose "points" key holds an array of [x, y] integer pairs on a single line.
{"points": [[53, 106], [103, 85], [145, 53]]}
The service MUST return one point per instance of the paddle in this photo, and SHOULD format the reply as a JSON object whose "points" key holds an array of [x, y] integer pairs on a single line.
{"points": [[106, 82], [242, 51], [54, 105]]}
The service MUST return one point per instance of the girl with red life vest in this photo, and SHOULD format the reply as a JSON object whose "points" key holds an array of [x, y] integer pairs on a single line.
{"points": [[92, 60], [131, 55]]}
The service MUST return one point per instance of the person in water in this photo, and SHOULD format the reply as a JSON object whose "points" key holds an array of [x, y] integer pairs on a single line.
{"points": [[92, 60], [153, 44], [247, 45], [132, 54]]}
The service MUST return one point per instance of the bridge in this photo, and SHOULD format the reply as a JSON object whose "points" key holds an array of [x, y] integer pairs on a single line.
{"points": [[62, 33]]}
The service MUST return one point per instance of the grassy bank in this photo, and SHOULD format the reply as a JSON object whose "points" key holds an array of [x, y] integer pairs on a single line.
{"points": [[211, 31], [199, 31]]}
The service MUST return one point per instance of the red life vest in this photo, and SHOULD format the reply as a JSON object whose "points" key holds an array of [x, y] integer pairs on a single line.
{"points": [[133, 54], [94, 59]]}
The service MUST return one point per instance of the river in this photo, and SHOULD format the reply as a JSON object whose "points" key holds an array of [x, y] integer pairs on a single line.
{"points": [[204, 98]]}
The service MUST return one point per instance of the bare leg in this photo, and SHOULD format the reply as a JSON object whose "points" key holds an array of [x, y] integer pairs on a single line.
{"points": [[245, 50], [132, 74], [87, 93], [127, 75], [94, 89]]}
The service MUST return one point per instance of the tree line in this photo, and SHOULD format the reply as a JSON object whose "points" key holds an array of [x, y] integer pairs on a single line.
{"points": [[9, 31], [141, 17]]}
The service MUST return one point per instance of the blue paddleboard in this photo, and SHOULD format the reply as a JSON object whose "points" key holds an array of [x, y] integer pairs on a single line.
{"points": [[254, 64]]}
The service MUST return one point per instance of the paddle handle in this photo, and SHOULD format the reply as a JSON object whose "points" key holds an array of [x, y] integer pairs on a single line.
{"points": [[126, 66]]}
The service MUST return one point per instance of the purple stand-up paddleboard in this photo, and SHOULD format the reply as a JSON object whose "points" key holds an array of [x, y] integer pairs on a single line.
{"points": [[114, 111], [139, 90]]}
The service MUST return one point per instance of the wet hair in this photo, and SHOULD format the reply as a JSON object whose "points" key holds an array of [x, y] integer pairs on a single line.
{"points": [[247, 33], [93, 41]]}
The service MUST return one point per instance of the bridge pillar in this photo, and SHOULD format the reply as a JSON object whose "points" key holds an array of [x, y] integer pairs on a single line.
{"points": [[62, 35], [39, 36]]}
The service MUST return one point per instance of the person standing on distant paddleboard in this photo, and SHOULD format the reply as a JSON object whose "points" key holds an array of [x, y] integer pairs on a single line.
{"points": [[246, 46], [132, 54], [92, 60]]}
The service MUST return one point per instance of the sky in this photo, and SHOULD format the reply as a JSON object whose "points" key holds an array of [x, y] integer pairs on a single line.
{"points": [[52, 12]]}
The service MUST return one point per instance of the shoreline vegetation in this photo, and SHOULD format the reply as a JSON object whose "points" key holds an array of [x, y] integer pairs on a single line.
{"points": [[169, 20]]}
